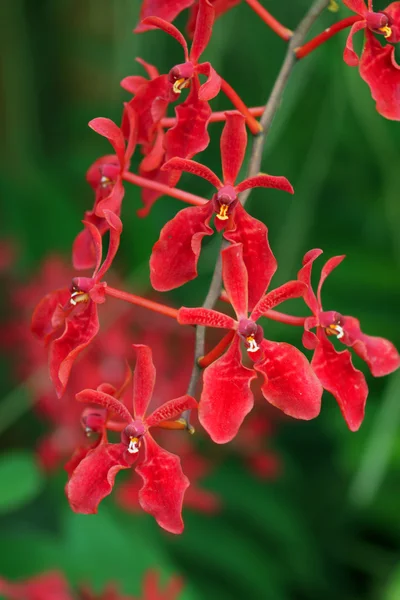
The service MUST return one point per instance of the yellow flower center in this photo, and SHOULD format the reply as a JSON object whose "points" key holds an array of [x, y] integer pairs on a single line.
{"points": [[333, 6], [78, 296], [134, 445], [253, 346], [223, 212], [335, 330], [180, 84], [387, 31]]}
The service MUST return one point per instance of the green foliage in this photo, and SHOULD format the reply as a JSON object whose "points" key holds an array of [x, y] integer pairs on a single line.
{"points": [[21, 480]]}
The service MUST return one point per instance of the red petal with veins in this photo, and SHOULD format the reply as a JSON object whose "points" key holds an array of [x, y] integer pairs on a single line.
{"points": [[97, 244], [309, 338], [266, 181], [357, 6], [144, 377], [393, 12], [112, 132], [155, 94], [380, 355], [80, 329], [226, 397], [380, 71], [115, 225], [164, 486], [107, 401], [164, 9], [257, 254], [327, 269], [93, 479], [290, 383], [291, 289], [304, 275], [350, 57], [174, 258], [205, 317], [233, 146], [154, 155], [235, 278], [170, 410], [339, 377], [212, 86], [203, 30], [42, 319], [189, 136], [168, 28], [113, 201], [191, 166], [220, 7]]}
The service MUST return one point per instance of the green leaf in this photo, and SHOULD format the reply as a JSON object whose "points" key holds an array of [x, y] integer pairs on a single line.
{"points": [[21, 480]]}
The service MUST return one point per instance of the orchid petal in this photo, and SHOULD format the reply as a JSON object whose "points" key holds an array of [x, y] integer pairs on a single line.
{"points": [[233, 146], [133, 83], [96, 243], [93, 478], [235, 278], [265, 181], [151, 70], [164, 486], [193, 167], [144, 377], [155, 156], [174, 258], [357, 6], [170, 410], [210, 89], [338, 376], [304, 275], [203, 30], [291, 289], [115, 233], [42, 319], [380, 71], [327, 269], [113, 133], [149, 197], [350, 57], [205, 317], [107, 401], [257, 254], [290, 383], [226, 397], [170, 29], [165, 9], [150, 105], [133, 133], [113, 201]]}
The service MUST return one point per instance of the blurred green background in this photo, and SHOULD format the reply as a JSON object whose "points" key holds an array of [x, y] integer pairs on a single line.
{"points": [[329, 526]]}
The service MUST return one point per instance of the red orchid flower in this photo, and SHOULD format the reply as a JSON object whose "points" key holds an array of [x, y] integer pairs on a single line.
{"points": [[66, 320], [164, 9], [334, 369], [181, 75], [290, 383], [105, 177], [46, 586], [378, 66], [220, 7], [164, 483], [175, 256]]}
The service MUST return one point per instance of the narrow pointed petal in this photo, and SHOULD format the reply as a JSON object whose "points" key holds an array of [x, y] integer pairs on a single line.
{"points": [[113, 201], [357, 6], [338, 376], [112, 132], [171, 410], [309, 339], [379, 69], [83, 256], [151, 70], [210, 89], [144, 377], [290, 383], [42, 324], [133, 83], [113, 245], [170, 29], [233, 146], [257, 254], [164, 486], [203, 30], [226, 397], [291, 289], [149, 197], [155, 156], [205, 317], [97, 243], [266, 181], [174, 258], [133, 133], [150, 105], [191, 166], [164, 9], [106, 400], [327, 269], [234, 274], [350, 56], [380, 355], [93, 479], [80, 329], [304, 275]]}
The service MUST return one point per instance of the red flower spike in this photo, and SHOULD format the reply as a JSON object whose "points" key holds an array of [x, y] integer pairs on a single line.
{"points": [[290, 384], [164, 9], [67, 320], [164, 484], [335, 369], [238, 226], [378, 66], [181, 75]]}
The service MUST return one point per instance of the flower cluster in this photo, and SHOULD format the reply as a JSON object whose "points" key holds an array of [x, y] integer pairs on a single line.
{"points": [[67, 319]]}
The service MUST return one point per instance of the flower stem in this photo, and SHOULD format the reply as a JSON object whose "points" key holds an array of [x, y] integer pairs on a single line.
{"points": [[165, 189], [230, 93], [216, 352], [216, 117], [303, 51], [277, 27], [275, 315], [162, 309]]}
